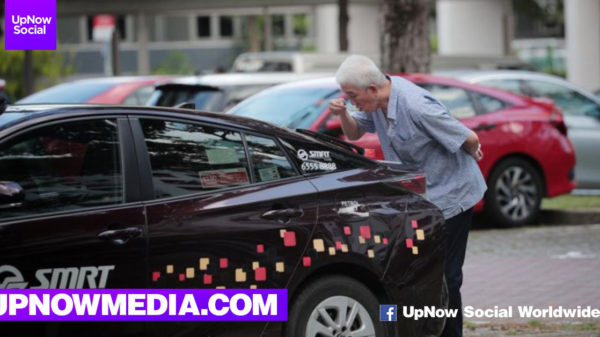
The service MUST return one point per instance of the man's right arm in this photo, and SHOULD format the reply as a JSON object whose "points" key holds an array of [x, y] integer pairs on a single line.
{"points": [[351, 129]]}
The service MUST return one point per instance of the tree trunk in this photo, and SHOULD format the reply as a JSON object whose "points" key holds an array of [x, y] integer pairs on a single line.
{"points": [[343, 24], [405, 37]]}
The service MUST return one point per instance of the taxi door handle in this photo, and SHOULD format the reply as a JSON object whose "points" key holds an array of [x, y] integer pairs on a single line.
{"points": [[120, 236], [283, 215]]}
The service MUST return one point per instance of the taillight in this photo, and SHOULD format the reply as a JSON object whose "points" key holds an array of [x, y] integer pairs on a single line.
{"points": [[556, 118], [371, 153], [560, 126], [416, 184]]}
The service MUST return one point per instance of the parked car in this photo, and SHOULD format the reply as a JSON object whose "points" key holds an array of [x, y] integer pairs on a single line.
{"points": [[133, 90], [218, 92], [527, 154], [310, 62], [150, 192], [581, 111]]}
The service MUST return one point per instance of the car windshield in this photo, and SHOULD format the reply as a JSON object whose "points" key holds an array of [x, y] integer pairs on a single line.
{"points": [[74, 92], [293, 108]]}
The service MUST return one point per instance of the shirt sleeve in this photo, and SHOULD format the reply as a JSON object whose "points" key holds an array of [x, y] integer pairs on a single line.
{"points": [[436, 121], [364, 121]]}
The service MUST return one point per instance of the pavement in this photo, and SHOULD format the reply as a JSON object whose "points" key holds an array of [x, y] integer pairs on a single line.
{"points": [[537, 266]]}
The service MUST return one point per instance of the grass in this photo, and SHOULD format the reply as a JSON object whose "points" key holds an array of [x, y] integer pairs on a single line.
{"points": [[579, 202]]}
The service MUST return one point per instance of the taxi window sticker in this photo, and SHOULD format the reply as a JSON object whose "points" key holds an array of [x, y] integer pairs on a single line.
{"points": [[316, 160], [217, 156], [269, 173], [224, 178]]}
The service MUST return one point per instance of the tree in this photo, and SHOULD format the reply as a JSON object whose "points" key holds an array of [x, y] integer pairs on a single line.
{"points": [[48, 68], [405, 38], [343, 24]]}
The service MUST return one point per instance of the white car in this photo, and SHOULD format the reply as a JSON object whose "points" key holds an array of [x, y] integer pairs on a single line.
{"points": [[581, 110]]}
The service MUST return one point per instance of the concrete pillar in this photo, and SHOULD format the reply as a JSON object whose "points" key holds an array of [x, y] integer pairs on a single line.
{"points": [[473, 27], [582, 25], [363, 29], [143, 55], [326, 21]]}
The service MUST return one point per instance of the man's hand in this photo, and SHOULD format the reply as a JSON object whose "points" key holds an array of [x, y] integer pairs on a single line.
{"points": [[337, 106], [473, 147], [478, 154]]}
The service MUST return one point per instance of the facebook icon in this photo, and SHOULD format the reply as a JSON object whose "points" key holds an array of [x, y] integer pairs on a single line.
{"points": [[387, 313]]}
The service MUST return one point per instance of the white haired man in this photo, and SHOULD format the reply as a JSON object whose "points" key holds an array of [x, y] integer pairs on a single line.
{"points": [[415, 128]]}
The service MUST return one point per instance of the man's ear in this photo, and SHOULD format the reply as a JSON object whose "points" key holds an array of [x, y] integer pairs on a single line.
{"points": [[372, 88]]}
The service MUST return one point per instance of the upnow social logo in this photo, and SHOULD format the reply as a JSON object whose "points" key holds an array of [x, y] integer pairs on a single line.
{"points": [[388, 313], [30, 25]]}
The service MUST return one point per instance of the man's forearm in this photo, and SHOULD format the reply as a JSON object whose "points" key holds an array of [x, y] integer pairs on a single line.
{"points": [[350, 127]]}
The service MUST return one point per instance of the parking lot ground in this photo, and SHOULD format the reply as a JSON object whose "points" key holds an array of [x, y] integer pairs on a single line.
{"points": [[538, 266], [532, 329]]}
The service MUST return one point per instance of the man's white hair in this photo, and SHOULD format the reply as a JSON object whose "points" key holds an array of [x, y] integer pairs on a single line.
{"points": [[360, 71]]}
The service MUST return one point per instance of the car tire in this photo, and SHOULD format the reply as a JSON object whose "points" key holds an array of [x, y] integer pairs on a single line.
{"points": [[318, 308], [514, 193]]}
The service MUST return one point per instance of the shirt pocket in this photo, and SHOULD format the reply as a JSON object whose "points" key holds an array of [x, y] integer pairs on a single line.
{"points": [[413, 150]]}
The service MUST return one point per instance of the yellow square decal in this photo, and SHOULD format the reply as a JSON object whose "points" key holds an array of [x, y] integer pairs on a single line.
{"points": [[204, 261], [319, 245], [240, 275]]}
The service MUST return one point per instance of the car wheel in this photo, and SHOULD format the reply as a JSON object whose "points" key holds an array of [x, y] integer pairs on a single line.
{"points": [[514, 193], [335, 306]]}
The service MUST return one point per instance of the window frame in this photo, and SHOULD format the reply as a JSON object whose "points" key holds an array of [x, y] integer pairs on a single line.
{"points": [[143, 158], [128, 169]]}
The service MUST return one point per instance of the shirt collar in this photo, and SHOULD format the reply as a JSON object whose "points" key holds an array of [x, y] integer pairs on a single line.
{"points": [[392, 101]]}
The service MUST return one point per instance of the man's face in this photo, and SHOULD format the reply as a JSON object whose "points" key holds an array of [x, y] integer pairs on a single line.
{"points": [[364, 99]]}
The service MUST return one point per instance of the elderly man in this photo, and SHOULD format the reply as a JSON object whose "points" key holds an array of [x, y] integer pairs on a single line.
{"points": [[415, 128]]}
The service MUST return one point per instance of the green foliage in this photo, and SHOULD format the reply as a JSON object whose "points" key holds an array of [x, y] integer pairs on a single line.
{"points": [[176, 63], [49, 67]]}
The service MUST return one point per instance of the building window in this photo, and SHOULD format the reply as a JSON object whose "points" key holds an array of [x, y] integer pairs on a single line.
{"points": [[176, 28], [278, 25], [226, 26], [300, 24], [203, 26]]}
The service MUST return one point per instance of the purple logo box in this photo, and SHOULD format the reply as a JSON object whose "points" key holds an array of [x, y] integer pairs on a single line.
{"points": [[30, 25], [143, 305]]}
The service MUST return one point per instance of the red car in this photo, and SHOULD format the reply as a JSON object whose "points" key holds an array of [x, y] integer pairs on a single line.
{"points": [[527, 155], [128, 90]]}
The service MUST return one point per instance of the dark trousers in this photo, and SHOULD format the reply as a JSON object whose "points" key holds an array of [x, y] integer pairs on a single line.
{"points": [[457, 232]]}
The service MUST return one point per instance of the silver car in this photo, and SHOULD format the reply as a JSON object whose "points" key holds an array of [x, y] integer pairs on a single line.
{"points": [[581, 111]]}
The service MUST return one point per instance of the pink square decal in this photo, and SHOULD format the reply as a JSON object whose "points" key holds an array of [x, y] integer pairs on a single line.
{"points": [[338, 245], [409, 243], [223, 262], [289, 239], [306, 261], [181, 277], [385, 241], [414, 224], [207, 279], [365, 232], [260, 248], [347, 230], [155, 276], [260, 274]]}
